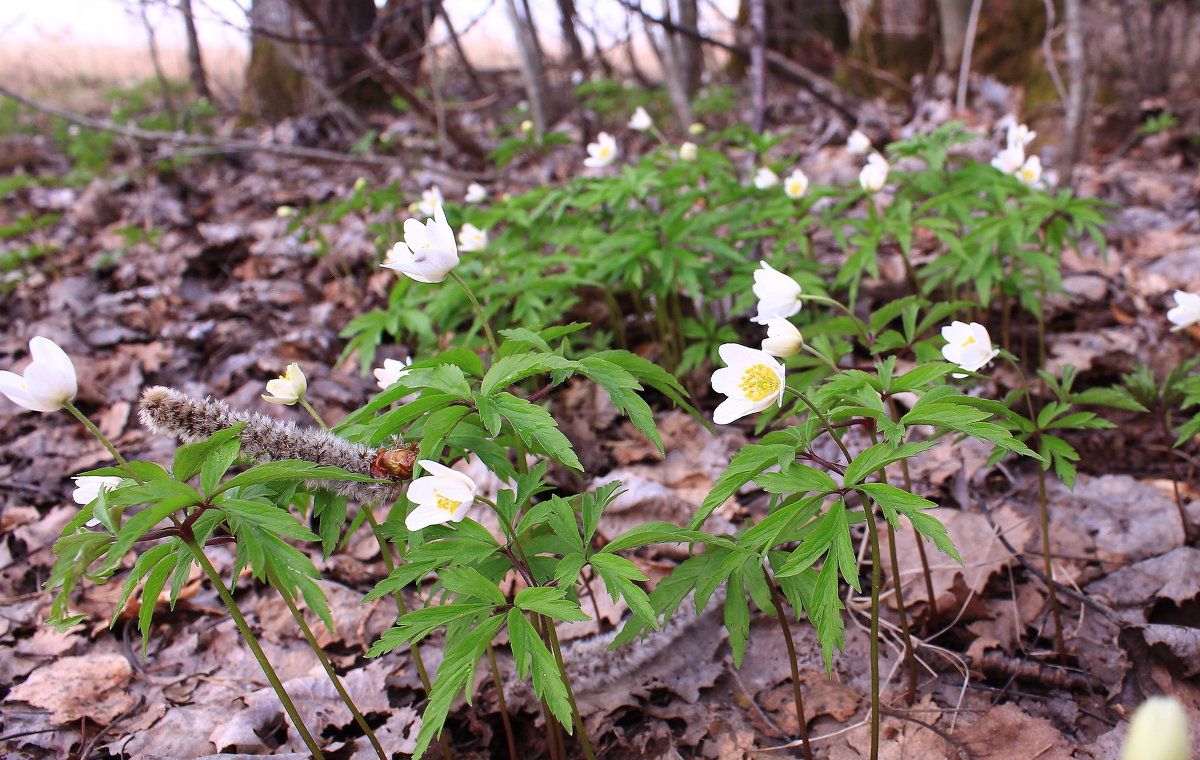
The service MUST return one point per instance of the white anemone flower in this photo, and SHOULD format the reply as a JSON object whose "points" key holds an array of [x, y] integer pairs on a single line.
{"points": [[428, 252], [476, 193], [753, 381], [874, 175], [602, 152], [640, 121], [1010, 159], [47, 383], [288, 387], [391, 372], [471, 239], [778, 295], [1186, 312], [764, 178], [431, 199], [88, 487], [1030, 172], [783, 338], [688, 151], [1019, 136], [858, 144], [795, 185], [1158, 731], [967, 345], [442, 496]]}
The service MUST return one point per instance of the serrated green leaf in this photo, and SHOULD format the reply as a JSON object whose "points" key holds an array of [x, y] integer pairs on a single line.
{"points": [[469, 581], [550, 602]]}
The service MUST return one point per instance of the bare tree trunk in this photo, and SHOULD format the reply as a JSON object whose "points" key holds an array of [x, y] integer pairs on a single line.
{"points": [[532, 69], [152, 44], [758, 63], [566, 19], [1073, 137], [952, 21], [673, 74], [691, 59], [195, 64]]}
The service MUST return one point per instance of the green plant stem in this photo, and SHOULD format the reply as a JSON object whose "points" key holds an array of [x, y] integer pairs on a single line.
{"points": [[925, 571], [304, 403], [910, 661], [100, 436], [479, 314], [1044, 515], [1164, 418], [786, 629], [616, 317], [552, 636], [876, 577], [248, 636], [502, 704], [554, 740], [329, 671], [402, 609]]}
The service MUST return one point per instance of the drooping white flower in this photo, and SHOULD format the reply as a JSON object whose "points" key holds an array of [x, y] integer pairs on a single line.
{"points": [[778, 295], [874, 175], [428, 252], [527, 126], [442, 496], [858, 144], [640, 121], [288, 387], [1019, 135], [1030, 172], [752, 379], [1010, 159], [696, 128], [471, 239], [47, 383], [967, 345], [284, 212], [1186, 311], [765, 178], [687, 151], [783, 338], [795, 185], [391, 372], [88, 487], [602, 152], [431, 199], [1158, 731]]}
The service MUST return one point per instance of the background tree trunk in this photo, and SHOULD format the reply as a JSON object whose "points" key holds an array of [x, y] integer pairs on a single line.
{"points": [[533, 70], [196, 73]]}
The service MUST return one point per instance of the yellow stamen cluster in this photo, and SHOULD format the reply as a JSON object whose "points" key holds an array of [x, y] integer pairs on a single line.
{"points": [[447, 505], [758, 382]]}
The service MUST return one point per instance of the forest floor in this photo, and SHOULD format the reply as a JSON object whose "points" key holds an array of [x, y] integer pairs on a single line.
{"points": [[190, 279]]}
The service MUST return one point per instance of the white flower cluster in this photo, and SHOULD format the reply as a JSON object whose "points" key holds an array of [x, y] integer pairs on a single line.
{"points": [[1012, 159]]}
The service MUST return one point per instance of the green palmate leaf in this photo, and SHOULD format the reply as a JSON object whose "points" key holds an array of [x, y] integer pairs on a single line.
{"points": [[796, 478], [783, 524], [489, 413], [737, 617], [418, 624], [190, 458], [825, 612], [651, 374], [530, 655], [468, 581], [395, 420], [537, 429], [618, 574], [438, 426], [659, 533], [550, 602], [136, 526], [453, 675], [1060, 454], [330, 510], [745, 466], [266, 516], [593, 503], [399, 578], [511, 369], [621, 387], [879, 456], [566, 574], [145, 563], [150, 591], [217, 463]]}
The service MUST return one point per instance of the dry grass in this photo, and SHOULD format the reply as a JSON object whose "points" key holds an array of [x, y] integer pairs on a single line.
{"points": [[78, 75]]}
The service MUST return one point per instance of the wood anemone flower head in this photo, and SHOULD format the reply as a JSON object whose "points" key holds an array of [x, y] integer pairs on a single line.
{"points": [[47, 383], [753, 381], [442, 496]]}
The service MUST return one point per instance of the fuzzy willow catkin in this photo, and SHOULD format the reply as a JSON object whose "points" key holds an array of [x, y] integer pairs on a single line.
{"points": [[168, 412]]}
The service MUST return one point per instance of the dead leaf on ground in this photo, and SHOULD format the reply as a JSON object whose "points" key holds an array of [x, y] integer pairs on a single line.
{"points": [[76, 687]]}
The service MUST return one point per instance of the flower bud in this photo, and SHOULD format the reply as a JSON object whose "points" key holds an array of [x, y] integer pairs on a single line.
{"points": [[1158, 731]]}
